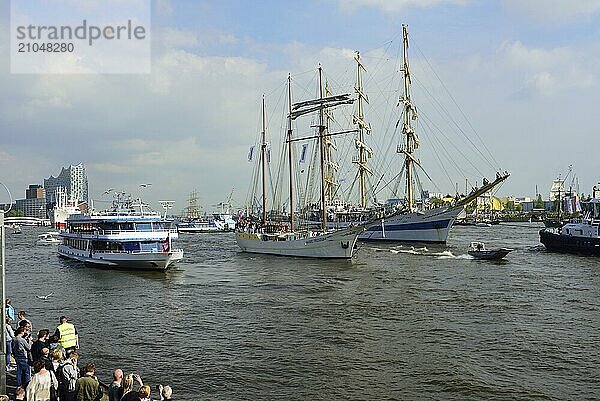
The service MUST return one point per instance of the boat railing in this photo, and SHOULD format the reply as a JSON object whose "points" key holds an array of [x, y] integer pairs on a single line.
{"points": [[117, 232], [137, 252]]}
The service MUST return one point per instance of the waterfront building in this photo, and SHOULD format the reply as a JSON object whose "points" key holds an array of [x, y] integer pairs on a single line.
{"points": [[34, 204], [35, 191], [73, 179]]}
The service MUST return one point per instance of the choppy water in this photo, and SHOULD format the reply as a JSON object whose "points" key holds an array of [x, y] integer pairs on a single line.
{"points": [[398, 322]]}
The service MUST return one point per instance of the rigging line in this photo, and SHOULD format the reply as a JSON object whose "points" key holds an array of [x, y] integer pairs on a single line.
{"points": [[449, 116], [425, 115], [458, 106], [397, 184], [433, 138], [441, 132], [399, 174], [439, 160]]}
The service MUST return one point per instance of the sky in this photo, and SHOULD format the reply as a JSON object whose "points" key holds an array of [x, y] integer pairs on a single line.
{"points": [[523, 72]]}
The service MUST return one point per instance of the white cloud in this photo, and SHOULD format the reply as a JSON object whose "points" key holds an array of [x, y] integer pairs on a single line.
{"points": [[396, 5], [554, 11], [6, 158], [163, 7], [550, 71], [177, 38]]}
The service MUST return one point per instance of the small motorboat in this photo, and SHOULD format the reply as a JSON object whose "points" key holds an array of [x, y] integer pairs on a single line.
{"points": [[478, 251], [49, 238]]}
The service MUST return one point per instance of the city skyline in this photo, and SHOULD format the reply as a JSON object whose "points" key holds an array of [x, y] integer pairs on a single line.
{"points": [[188, 125]]}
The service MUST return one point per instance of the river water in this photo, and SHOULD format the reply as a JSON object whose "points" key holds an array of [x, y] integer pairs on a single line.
{"points": [[397, 322]]}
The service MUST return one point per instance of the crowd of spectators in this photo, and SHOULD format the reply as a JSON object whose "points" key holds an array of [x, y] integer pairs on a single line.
{"points": [[53, 360]]}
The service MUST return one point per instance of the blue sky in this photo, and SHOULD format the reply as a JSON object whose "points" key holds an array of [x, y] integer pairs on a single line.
{"points": [[524, 72]]}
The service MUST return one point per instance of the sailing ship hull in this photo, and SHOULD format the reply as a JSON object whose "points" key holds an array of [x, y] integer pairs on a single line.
{"points": [[335, 245], [430, 226], [124, 260], [555, 242]]}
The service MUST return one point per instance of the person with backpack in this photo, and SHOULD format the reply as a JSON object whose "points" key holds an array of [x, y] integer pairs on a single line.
{"points": [[67, 374]]}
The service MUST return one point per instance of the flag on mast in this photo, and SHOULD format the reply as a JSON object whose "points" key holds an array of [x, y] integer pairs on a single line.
{"points": [[250, 153], [303, 154]]}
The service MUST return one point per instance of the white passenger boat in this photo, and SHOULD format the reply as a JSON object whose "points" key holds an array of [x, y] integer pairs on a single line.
{"points": [[128, 235]]}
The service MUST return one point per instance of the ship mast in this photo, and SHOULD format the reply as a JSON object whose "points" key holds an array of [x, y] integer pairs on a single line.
{"points": [[329, 147], [412, 142], [322, 153], [290, 153], [263, 150], [363, 149]]}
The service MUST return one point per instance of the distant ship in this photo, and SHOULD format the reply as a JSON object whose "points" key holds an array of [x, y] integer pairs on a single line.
{"points": [[63, 209], [196, 223], [580, 236], [128, 235]]}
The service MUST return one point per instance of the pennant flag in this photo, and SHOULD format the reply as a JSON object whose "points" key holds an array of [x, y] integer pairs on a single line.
{"points": [[250, 153], [269, 155], [303, 154]]}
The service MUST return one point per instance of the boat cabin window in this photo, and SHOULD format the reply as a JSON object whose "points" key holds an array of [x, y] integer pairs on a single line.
{"points": [[131, 246], [159, 225], [126, 226], [143, 226], [108, 226]]}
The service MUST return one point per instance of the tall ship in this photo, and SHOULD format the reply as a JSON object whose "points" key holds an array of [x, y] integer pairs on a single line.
{"points": [[580, 236], [195, 222], [407, 216], [127, 235], [273, 233]]}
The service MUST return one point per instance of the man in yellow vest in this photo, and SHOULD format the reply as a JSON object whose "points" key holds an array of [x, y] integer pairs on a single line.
{"points": [[67, 335]]}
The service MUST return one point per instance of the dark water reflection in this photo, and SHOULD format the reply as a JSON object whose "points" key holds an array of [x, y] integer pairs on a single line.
{"points": [[398, 322]]}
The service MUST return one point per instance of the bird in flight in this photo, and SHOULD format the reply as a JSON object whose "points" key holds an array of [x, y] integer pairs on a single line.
{"points": [[45, 297], [108, 191], [145, 185]]}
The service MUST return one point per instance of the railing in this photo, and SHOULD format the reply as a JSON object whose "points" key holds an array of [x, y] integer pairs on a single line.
{"points": [[138, 252], [117, 232]]}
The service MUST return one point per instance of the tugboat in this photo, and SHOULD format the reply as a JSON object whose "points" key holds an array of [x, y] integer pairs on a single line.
{"points": [[578, 236]]}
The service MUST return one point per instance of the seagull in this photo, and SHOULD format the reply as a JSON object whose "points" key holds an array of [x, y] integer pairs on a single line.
{"points": [[45, 297], [108, 191], [145, 185]]}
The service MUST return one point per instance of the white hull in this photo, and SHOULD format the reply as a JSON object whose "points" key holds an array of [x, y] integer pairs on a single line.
{"points": [[430, 226], [127, 260], [337, 244]]}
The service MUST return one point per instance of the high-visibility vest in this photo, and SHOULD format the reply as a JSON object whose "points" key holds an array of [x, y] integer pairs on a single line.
{"points": [[68, 338]]}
